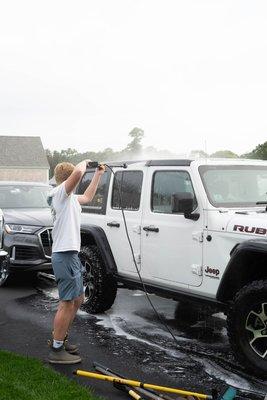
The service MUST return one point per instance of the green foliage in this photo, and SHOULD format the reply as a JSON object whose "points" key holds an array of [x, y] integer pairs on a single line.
{"points": [[72, 156], [224, 154], [135, 145], [198, 154], [56, 157], [260, 152], [28, 379]]}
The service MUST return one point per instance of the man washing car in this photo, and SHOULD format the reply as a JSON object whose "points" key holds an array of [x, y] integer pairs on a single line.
{"points": [[66, 211]]}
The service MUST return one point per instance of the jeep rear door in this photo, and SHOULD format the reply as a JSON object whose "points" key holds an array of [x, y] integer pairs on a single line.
{"points": [[105, 211], [125, 191], [171, 245]]}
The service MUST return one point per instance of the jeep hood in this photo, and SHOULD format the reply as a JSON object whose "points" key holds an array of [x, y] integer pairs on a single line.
{"points": [[28, 216], [249, 223]]}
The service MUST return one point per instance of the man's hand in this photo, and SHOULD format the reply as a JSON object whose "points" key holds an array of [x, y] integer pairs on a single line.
{"points": [[91, 190], [101, 169]]}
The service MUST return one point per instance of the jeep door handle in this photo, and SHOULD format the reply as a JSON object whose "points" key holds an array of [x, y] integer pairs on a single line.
{"points": [[150, 229], [113, 224]]}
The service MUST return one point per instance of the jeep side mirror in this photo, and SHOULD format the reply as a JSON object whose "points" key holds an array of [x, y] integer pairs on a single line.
{"points": [[184, 203]]}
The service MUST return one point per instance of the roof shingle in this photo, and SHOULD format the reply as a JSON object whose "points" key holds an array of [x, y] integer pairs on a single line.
{"points": [[22, 151]]}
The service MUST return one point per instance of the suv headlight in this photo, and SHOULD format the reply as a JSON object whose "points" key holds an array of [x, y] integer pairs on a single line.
{"points": [[15, 228]]}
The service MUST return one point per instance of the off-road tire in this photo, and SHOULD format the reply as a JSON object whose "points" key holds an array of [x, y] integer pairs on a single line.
{"points": [[244, 321], [100, 287]]}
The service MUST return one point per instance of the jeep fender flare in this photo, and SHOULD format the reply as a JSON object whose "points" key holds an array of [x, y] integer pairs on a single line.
{"points": [[241, 268], [95, 235]]}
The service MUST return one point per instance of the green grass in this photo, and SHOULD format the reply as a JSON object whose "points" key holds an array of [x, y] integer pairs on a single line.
{"points": [[23, 378]]}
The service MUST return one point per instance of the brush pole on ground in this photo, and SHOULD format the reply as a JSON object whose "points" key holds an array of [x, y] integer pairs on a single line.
{"points": [[129, 391], [148, 393], [129, 382]]}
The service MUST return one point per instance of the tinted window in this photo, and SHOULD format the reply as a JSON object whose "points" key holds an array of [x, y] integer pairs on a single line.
{"points": [[166, 184], [98, 204], [23, 196], [130, 184]]}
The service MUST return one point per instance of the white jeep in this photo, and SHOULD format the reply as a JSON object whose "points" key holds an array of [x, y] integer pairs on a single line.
{"points": [[198, 230]]}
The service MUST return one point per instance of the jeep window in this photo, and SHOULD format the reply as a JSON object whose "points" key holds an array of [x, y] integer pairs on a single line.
{"points": [[234, 185], [23, 196], [99, 202], [167, 184], [130, 183]]}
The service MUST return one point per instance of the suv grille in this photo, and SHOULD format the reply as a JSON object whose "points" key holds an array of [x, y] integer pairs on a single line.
{"points": [[46, 239], [26, 253]]}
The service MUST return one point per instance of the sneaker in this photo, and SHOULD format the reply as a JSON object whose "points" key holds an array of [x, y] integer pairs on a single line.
{"points": [[70, 348], [61, 356]]}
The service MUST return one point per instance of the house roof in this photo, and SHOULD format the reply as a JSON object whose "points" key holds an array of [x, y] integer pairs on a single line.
{"points": [[22, 151]]}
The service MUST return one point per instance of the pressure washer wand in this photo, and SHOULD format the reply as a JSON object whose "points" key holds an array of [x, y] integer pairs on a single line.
{"points": [[96, 164]]}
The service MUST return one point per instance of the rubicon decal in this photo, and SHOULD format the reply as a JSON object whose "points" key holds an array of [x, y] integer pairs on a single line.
{"points": [[212, 272], [250, 229]]}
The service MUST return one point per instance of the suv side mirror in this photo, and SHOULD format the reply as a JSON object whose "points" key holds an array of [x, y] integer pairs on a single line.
{"points": [[184, 202]]}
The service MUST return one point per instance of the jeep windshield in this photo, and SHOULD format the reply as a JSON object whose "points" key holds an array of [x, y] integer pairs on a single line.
{"points": [[20, 196], [234, 185]]}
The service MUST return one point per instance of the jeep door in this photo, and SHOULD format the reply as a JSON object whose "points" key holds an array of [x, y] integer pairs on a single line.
{"points": [[126, 192], [105, 211], [171, 245]]}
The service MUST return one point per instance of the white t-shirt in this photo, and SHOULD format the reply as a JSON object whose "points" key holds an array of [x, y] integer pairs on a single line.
{"points": [[66, 212]]}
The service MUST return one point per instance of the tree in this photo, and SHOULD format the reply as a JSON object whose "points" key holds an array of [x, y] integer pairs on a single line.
{"points": [[224, 154], [260, 152], [198, 154], [53, 159], [135, 145], [68, 154]]}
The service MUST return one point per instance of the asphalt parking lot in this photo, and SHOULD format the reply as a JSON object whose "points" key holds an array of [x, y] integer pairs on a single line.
{"points": [[128, 339]]}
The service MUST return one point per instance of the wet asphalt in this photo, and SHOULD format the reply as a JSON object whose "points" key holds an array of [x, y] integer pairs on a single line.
{"points": [[128, 339]]}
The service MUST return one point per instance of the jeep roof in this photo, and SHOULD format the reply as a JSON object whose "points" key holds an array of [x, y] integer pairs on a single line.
{"points": [[188, 162]]}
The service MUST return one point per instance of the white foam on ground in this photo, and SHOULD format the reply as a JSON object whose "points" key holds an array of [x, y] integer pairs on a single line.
{"points": [[114, 321], [137, 293], [230, 378], [52, 293]]}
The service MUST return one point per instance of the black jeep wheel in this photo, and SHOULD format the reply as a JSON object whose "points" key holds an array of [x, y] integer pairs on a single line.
{"points": [[100, 287], [247, 327], [4, 272]]}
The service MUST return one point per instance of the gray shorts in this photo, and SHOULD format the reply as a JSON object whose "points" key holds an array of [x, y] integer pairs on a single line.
{"points": [[68, 272]]}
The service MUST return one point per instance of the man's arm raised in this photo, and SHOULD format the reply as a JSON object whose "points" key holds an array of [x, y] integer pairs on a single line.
{"points": [[91, 190], [76, 176]]}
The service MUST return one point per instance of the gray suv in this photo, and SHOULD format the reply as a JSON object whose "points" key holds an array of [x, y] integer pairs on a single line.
{"points": [[27, 230]]}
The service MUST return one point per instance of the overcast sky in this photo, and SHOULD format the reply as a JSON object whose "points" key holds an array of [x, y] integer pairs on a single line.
{"points": [[82, 74]]}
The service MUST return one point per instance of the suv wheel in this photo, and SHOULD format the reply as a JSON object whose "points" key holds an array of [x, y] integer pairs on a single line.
{"points": [[4, 272], [247, 327], [100, 287]]}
